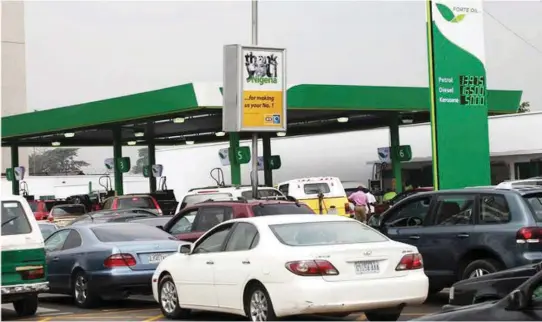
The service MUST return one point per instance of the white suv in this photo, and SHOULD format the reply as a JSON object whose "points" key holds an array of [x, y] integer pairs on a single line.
{"points": [[226, 193]]}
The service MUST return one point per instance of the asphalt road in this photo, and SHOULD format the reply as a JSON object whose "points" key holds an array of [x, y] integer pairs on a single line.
{"points": [[60, 308]]}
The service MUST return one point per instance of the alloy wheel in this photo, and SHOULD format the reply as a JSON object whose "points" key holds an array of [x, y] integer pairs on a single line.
{"points": [[168, 297], [258, 306]]}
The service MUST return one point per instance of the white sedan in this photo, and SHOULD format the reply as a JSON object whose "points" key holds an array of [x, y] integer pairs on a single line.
{"points": [[276, 266]]}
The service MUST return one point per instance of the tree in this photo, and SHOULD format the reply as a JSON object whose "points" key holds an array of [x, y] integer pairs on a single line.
{"points": [[143, 160], [56, 161], [524, 107]]}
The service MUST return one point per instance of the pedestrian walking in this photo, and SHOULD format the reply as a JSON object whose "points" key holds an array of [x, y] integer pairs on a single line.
{"points": [[371, 201], [359, 199]]}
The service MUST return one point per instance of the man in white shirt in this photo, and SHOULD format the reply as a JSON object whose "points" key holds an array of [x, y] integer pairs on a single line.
{"points": [[371, 200]]}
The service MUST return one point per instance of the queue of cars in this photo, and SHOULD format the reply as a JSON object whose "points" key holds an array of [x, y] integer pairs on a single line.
{"points": [[260, 248]]}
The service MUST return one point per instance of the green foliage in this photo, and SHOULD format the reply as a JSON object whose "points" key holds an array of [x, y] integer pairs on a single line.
{"points": [[56, 161]]}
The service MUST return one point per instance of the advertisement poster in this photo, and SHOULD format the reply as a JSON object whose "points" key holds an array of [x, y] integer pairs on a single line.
{"points": [[457, 78]]}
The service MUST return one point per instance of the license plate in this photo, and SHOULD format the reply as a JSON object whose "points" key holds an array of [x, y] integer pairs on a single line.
{"points": [[157, 258], [367, 267]]}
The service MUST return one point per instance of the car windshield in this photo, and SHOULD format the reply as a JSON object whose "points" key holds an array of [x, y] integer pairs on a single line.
{"points": [[47, 230], [325, 233], [14, 221], [264, 194], [535, 201], [129, 232], [281, 209], [201, 197], [33, 206], [158, 221], [68, 210], [136, 202]]}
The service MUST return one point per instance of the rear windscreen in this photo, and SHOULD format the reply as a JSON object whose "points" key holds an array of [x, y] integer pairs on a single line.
{"points": [[14, 221], [68, 211], [325, 233], [194, 199], [33, 206], [129, 232], [281, 209], [47, 230], [316, 188], [535, 201], [136, 202]]}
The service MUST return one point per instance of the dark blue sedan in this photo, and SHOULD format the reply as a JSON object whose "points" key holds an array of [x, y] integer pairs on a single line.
{"points": [[103, 261]]}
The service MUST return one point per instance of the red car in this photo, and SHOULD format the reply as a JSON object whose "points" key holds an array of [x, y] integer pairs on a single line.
{"points": [[132, 201], [194, 220], [41, 208]]}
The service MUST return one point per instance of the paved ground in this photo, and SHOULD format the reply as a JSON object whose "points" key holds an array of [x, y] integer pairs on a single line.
{"points": [[60, 308]]}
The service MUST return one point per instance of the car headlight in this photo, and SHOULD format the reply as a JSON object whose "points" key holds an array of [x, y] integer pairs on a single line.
{"points": [[451, 296]]}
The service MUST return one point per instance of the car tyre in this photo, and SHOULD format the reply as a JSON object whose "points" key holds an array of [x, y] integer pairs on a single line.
{"points": [[383, 315], [168, 297], [27, 306], [480, 267], [83, 296], [258, 305]]}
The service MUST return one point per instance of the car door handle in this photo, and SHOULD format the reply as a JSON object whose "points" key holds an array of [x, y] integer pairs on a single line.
{"points": [[246, 262], [414, 237], [210, 262], [462, 235]]}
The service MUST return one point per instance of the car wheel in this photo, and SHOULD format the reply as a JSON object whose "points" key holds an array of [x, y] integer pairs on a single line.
{"points": [[82, 295], [383, 315], [27, 306], [480, 267], [169, 299], [258, 305]]}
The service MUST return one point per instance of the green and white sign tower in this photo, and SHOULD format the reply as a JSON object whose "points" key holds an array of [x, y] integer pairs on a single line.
{"points": [[457, 81]]}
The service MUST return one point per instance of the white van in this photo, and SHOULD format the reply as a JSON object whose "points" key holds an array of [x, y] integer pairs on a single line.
{"points": [[226, 193], [307, 190], [24, 271]]}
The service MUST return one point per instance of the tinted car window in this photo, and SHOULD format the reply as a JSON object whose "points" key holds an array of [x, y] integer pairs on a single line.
{"points": [[47, 230], [242, 237], [284, 188], [56, 241], [535, 201], [493, 209], [33, 206], [72, 241], [281, 209], [208, 217], [411, 213], [316, 188], [65, 211], [214, 242], [325, 233], [136, 202], [14, 221], [262, 193], [129, 232], [184, 224], [194, 199], [455, 210]]}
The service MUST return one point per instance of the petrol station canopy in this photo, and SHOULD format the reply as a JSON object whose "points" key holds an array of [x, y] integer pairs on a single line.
{"points": [[193, 112]]}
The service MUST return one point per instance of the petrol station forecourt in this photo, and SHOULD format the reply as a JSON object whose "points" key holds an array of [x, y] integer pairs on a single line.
{"points": [[192, 113]]}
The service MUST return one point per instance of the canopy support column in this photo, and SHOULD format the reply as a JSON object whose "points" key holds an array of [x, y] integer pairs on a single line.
{"points": [[235, 167], [117, 155], [151, 151], [15, 163], [394, 152], [267, 171]]}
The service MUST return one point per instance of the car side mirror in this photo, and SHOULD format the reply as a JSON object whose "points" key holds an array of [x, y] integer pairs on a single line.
{"points": [[516, 301], [185, 249], [160, 227]]}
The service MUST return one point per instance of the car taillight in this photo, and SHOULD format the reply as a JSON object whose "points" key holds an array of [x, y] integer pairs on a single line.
{"points": [[51, 218], [32, 274], [312, 268], [410, 261], [530, 235], [118, 260]]}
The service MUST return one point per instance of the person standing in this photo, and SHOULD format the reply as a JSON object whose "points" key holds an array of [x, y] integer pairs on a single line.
{"points": [[371, 201], [359, 199]]}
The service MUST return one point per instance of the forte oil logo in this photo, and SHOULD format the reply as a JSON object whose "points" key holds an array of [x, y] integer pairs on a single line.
{"points": [[456, 14]]}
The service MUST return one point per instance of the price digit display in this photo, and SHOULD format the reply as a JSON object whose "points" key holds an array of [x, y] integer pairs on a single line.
{"points": [[472, 90]]}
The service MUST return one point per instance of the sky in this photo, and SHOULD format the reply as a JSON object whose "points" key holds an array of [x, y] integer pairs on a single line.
{"points": [[81, 51]]}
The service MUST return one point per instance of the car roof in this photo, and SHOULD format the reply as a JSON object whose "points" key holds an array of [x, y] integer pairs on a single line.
{"points": [[110, 224], [254, 202], [291, 219], [13, 198], [522, 190], [134, 196], [69, 205], [227, 188]]}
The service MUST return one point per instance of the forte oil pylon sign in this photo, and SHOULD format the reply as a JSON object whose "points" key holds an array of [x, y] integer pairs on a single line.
{"points": [[254, 89], [457, 79]]}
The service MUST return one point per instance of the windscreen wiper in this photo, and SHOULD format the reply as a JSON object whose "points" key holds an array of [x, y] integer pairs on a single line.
{"points": [[9, 220]]}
